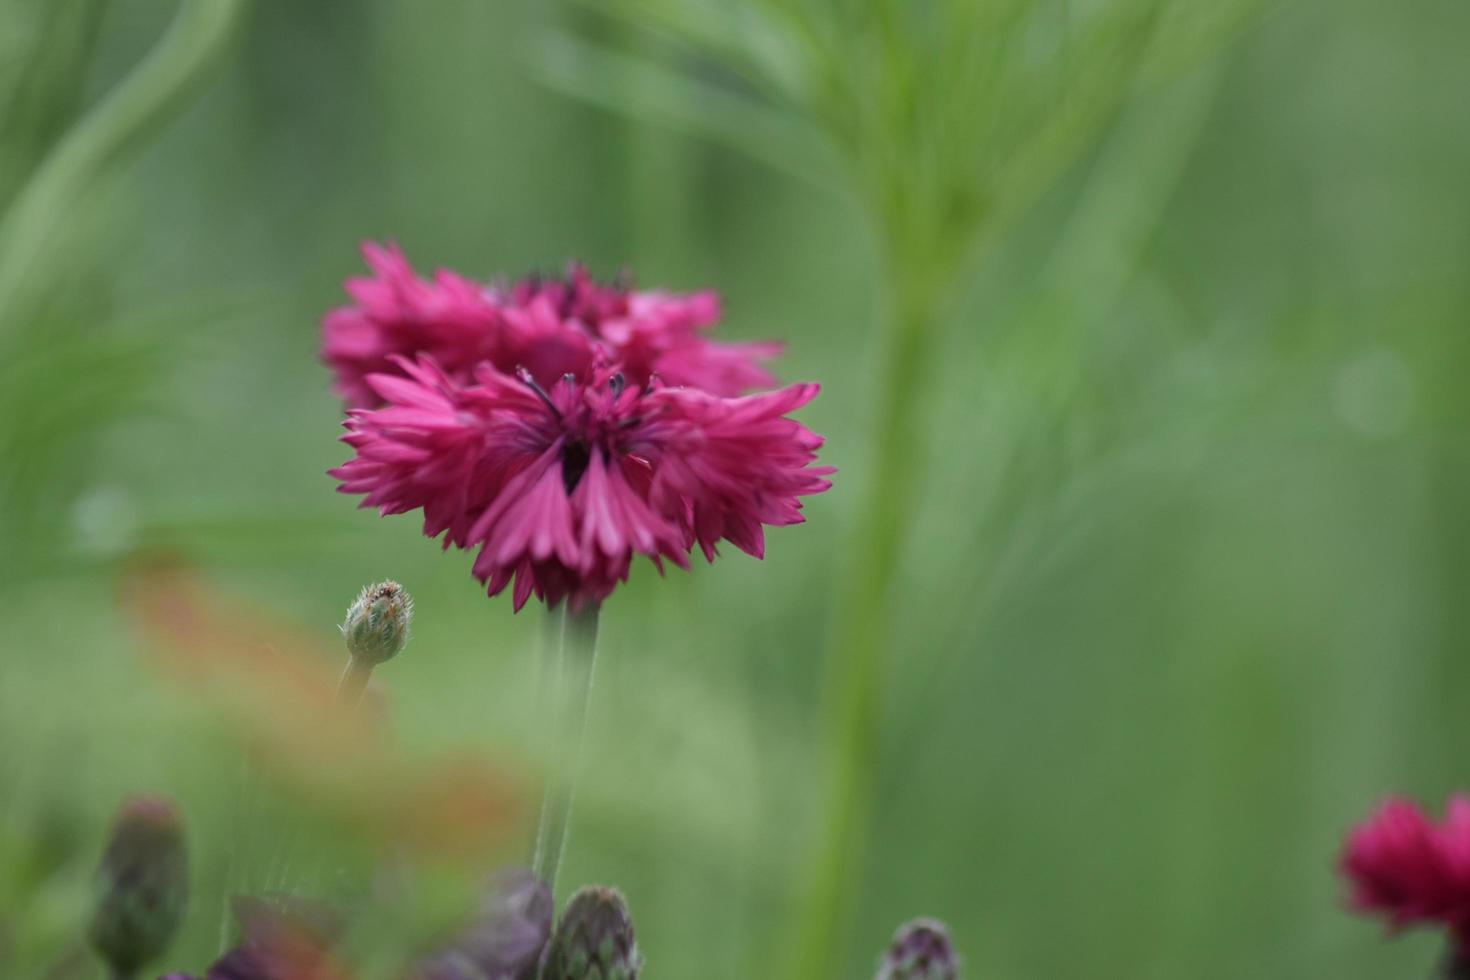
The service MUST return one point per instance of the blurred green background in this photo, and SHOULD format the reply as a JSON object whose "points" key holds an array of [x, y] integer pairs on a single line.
{"points": [[1182, 581]]}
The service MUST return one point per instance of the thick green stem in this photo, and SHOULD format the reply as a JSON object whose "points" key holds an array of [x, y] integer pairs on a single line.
{"points": [[856, 660], [570, 681]]}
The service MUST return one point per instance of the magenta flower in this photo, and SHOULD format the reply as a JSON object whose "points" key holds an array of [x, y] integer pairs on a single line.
{"points": [[651, 333], [559, 488], [531, 324], [1401, 865], [397, 313]]}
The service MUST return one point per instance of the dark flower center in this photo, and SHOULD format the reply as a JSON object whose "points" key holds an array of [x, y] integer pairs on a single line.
{"points": [[574, 459]]}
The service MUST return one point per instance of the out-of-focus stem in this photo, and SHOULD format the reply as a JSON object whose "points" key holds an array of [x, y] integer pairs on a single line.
{"points": [[354, 681], [159, 87], [550, 648], [856, 662], [571, 684]]}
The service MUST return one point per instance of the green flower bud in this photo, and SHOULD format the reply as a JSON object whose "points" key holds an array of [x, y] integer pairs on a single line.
{"points": [[594, 939], [921, 950], [377, 623], [142, 885]]}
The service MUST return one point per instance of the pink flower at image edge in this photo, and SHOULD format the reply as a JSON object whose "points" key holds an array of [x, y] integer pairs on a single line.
{"points": [[1406, 868]]}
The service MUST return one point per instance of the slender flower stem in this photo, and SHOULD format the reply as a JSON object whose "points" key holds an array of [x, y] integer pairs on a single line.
{"points": [[544, 734], [570, 678], [354, 681], [349, 695]]}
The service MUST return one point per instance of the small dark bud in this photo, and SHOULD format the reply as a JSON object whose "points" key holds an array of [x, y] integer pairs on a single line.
{"points": [[142, 885], [921, 950], [594, 939], [377, 623]]}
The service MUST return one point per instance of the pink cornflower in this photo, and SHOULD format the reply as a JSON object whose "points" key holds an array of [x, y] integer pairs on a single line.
{"points": [[394, 312], [1403, 866], [650, 332], [462, 324], [560, 486]]}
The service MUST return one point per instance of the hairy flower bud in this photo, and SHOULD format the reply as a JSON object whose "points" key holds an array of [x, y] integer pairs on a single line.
{"points": [[142, 885], [377, 623], [594, 939], [921, 950]]}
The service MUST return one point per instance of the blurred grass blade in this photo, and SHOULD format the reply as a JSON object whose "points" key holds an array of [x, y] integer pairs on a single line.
{"points": [[1095, 84], [643, 88], [161, 85], [1098, 255], [740, 37], [1189, 33], [44, 54]]}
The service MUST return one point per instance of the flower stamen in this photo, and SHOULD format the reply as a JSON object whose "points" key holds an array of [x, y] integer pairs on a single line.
{"points": [[530, 382]]}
